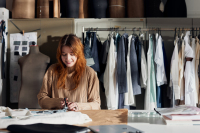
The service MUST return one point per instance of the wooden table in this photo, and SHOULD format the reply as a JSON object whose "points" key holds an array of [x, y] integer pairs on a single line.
{"points": [[102, 117]]}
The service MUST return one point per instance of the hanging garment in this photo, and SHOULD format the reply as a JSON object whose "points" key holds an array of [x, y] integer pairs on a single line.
{"points": [[138, 52], [134, 68], [91, 51], [129, 97], [196, 68], [193, 45], [110, 83], [121, 63], [150, 94], [143, 76], [189, 74], [175, 73], [181, 70], [121, 68], [164, 98], [161, 75], [103, 60]]}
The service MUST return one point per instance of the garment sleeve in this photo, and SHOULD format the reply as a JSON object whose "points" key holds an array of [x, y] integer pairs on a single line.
{"points": [[93, 101], [45, 94]]}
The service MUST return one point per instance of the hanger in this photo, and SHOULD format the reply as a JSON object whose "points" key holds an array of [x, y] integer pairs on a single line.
{"points": [[97, 35], [125, 29], [175, 34], [139, 31], [159, 31], [199, 33], [192, 32], [134, 34], [183, 34], [196, 31]]}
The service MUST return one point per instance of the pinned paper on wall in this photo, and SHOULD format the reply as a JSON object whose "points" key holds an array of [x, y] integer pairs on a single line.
{"points": [[19, 47]]}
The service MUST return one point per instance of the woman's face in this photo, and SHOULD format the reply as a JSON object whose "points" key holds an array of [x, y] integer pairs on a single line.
{"points": [[68, 57]]}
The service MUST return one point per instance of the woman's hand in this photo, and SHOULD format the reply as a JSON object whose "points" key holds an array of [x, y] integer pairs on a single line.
{"points": [[62, 103], [72, 106]]}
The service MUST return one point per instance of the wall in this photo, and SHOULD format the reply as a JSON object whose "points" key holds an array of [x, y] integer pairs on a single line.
{"points": [[193, 10]]}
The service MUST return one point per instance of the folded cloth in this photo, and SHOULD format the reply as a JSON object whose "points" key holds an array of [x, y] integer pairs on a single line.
{"points": [[46, 128], [70, 118], [18, 113], [2, 109]]}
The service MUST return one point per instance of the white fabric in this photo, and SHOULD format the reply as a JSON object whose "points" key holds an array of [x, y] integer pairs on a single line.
{"points": [[2, 109], [196, 68], [143, 76], [18, 114], [148, 104], [129, 98], [110, 82], [116, 83], [160, 74], [193, 45], [174, 75], [1, 85], [181, 72], [189, 74], [71, 118]]}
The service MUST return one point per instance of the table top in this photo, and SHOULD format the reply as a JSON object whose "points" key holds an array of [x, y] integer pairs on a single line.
{"points": [[146, 124], [157, 125]]}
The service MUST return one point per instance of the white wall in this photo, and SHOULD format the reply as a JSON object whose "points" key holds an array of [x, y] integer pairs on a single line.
{"points": [[193, 8]]}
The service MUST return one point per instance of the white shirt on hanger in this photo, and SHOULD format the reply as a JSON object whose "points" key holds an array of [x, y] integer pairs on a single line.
{"points": [[196, 68], [143, 76], [110, 81], [161, 76], [174, 75], [189, 74], [129, 98]]}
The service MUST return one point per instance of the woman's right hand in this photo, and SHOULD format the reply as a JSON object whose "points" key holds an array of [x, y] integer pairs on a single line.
{"points": [[62, 103]]}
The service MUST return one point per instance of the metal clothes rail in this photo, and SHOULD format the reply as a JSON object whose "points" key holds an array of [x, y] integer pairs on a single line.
{"points": [[137, 29]]}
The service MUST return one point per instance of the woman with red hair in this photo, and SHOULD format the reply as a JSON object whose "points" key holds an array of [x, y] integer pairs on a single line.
{"points": [[70, 78]]}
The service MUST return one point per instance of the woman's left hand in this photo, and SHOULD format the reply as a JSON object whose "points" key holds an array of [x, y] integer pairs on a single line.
{"points": [[72, 106]]}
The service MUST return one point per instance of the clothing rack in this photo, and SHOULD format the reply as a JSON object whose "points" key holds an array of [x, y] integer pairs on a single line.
{"points": [[136, 29]]}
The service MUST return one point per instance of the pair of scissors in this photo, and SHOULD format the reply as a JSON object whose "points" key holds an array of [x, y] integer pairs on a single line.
{"points": [[66, 103]]}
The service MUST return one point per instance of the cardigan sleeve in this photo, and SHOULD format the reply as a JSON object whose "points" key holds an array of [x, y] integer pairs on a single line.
{"points": [[45, 95], [93, 98]]}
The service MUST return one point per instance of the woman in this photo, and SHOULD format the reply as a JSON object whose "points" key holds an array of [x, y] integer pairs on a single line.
{"points": [[70, 78]]}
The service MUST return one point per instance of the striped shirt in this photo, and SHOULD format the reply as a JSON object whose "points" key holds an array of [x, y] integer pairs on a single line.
{"points": [[86, 94]]}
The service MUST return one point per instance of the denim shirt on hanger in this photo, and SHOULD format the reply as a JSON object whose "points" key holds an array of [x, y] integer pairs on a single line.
{"points": [[91, 52], [134, 68], [121, 63]]}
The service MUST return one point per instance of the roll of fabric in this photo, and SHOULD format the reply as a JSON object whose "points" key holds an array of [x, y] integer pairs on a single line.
{"points": [[175, 8], [81, 7], [98, 8], [42, 8], [135, 8], [152, 8], [72, 8], [3, 3], [85, 8], [23, 9], [117, 8], [56, 8]]}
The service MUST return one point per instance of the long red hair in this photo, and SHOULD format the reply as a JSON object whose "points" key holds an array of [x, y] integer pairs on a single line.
{"points": [[61, 70]]}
